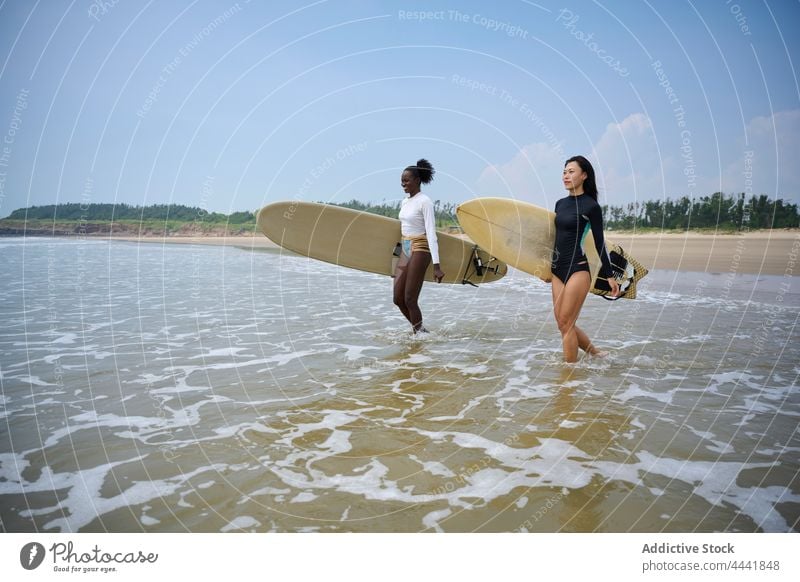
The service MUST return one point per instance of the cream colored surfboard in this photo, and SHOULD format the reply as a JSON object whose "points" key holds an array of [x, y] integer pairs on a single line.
{"points": [[365, 241], [523, 235]]}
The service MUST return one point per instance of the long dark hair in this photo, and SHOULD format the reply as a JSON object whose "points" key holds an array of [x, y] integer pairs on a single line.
{"points": [[589, 185], [423, 171]]}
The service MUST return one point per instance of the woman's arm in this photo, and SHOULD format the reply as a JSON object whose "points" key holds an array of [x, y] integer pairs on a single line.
{"points": [[430, 230], [433, 241], [595, 217]]}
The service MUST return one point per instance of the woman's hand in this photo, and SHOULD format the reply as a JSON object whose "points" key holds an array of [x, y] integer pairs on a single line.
{"points": [[438, 274], [612, 282]]}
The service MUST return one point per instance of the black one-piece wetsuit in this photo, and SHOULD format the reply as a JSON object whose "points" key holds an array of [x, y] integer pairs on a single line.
{"points": [[574, 216]]}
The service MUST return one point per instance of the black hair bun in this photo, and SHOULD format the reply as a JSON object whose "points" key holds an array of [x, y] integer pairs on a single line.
{"points": [[425, 171]]}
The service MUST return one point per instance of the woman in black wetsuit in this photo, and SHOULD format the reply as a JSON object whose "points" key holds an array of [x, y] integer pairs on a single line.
{"points": [[575, 215]]}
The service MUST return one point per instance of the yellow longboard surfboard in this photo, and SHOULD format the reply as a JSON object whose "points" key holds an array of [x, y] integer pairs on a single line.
{"points": [[522, 235], [367, 242]]}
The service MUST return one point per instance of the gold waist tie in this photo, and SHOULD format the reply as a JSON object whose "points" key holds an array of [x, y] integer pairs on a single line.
{"points": [[418, 243]]}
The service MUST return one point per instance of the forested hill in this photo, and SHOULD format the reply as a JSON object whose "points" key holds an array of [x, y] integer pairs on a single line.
{"points": [[126, 212]]}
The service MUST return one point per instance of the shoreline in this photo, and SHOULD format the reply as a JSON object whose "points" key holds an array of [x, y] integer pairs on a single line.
{"points": [[765, 252]]}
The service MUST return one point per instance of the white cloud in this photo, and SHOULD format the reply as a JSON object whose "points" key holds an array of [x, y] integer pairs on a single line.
{"points": [[768, 153], [627, 162], [629, 167], [533, 175], [625, 159]]}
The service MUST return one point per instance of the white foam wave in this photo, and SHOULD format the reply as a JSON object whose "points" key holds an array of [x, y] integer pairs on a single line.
{"points": [[242, 523]]}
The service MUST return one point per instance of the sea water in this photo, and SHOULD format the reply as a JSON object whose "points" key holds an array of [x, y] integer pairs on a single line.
{"points": [[151, 387]]}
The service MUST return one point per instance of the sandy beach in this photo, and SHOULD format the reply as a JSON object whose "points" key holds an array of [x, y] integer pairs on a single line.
{"points": [[765, 252], [762, 252]]}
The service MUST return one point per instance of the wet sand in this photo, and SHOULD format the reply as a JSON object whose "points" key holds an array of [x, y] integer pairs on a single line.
{"points": [[763, 252]]}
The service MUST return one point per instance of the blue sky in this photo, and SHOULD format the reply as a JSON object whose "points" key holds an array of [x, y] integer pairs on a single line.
{"points": [[232, 105]]}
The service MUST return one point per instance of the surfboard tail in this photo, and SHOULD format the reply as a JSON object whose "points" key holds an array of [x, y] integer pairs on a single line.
{"points": [[627, 270]]}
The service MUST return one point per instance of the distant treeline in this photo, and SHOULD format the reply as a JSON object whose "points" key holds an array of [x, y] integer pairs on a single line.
{"points": [[715, 211], [127, 212]]}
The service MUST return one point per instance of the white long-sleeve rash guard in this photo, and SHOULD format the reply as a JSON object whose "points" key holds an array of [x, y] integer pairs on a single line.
{"points": [[416, 218]]}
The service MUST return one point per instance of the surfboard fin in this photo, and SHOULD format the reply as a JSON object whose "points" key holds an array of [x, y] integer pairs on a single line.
{"points": [[480, 267]]}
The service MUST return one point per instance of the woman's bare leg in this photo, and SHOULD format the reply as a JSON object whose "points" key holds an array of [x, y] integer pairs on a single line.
{"points": [[414, 277], [400, 274], [567, 302], [584, 342]]}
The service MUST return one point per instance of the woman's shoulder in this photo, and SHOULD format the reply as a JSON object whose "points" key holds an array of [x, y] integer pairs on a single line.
{"points": [[422, 198], [563, 200], [589, 202]]}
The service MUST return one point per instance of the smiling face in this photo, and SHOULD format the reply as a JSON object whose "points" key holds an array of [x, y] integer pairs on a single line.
{"points": [[573, 178], [409, 182]]}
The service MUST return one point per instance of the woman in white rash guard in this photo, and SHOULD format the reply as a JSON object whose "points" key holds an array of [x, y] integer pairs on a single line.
{"points": [[419, 246]]}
